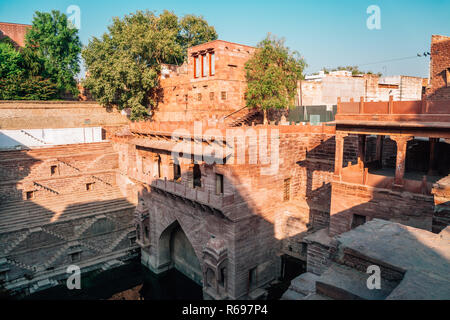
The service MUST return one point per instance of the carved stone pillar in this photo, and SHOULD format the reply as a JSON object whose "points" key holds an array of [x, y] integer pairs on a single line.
{"points": [[402, 142], [171, 169], [339, 153], [190, 175], [361, 150], [432, 164], [157, 166], [379, 151]]}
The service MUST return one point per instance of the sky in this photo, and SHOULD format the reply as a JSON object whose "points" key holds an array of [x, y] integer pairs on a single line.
{"points": [[327, 33]]}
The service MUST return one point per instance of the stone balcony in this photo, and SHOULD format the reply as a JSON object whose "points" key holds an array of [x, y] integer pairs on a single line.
{"points": [[205, 197]]}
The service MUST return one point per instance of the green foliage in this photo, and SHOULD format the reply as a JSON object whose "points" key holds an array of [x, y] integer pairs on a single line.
{"points": [[353, 69], [54, 50], [272, 75], [18, 87], [124, 64], [10, 61], [194, 31]]}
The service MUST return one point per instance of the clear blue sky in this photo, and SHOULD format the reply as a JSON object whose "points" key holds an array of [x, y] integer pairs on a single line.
{"points": [[328, 33]]}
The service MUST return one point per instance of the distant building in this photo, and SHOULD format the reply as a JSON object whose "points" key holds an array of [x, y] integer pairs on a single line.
{"points": [[318, 94], [324, 89], [212, 81], [15, 31]]}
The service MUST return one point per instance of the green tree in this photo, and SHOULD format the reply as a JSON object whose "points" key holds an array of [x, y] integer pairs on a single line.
{"points": [[272, 75], [20, 87], [10, 61], [194, 31], [55, 45], [353, 69], [125, 63]]}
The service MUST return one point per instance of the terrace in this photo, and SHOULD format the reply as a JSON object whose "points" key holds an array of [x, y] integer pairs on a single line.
{"points": [[401, 144]]}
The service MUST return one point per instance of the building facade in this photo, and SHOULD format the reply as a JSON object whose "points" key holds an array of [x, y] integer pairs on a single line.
{"points": [[211, 82]]}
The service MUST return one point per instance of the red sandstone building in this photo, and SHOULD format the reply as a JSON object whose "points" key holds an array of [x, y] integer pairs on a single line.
{"points": [[16, 32], [211, 82], [226, 225]]}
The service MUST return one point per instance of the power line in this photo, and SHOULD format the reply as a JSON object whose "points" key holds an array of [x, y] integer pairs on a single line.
{"points": [[425, 54], [390, 60]]}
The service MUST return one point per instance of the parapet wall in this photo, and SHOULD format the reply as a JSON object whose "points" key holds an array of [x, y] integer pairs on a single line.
{"points": [[56, 114]]}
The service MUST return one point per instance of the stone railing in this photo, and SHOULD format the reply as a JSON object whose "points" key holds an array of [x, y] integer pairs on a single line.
{"points": [[190, 128], [205, 197], [356, 175], [421, 110]]}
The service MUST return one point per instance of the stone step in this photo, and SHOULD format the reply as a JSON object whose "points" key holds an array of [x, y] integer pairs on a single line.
{"points": [[19, 210], [343, 283], [62, 199], [74, 207], [292, 295], [301, 286], [71, 214]]}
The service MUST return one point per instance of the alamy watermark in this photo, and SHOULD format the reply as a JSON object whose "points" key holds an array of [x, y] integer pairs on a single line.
{"points": [[374, 20], [374, 281], [74, 280], [242, 145], [74, 16]]}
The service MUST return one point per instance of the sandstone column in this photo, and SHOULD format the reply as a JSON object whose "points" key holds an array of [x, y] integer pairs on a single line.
{"points": [[402, 142], [361, 150], [379, 151], [432, 163], [339, 154]]}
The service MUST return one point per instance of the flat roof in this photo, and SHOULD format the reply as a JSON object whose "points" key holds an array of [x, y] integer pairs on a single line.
{"points": [[17, 24], [218, 40]]}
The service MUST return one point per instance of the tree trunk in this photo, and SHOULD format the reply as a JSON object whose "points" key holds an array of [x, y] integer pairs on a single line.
{"points": [[265, 116]]}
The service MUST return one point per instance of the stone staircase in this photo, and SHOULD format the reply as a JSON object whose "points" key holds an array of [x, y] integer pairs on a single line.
{"points": [[14, 244], [21, 265], [340, 282], [33, 137], [17, 215], [42, 187], [116, 242], [345, 279], [78, 170], [58, 253], [241, 117], [75, 237]]}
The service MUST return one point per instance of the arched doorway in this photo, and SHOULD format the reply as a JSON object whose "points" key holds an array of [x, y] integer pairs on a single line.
{"points": [[176, 251]]}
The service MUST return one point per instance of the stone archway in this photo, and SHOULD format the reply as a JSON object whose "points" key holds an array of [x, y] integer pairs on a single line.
{"points": [[176, 251]]}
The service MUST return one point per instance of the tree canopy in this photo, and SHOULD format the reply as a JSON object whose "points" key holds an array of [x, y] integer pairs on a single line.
{"points": [[272, 75], [20, 75], [56, 45], [353, 69], [10, 60], [125, 63], [46, 68]]}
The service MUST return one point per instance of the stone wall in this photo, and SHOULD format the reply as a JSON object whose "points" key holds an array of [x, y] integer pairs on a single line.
{"points": [[61, 206], [186, 98], [16, 32], [403, 207], [56, 114], [267, 214], [440, 68]]}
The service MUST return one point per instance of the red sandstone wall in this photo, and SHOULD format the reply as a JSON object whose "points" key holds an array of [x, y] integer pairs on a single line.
{"points": [[440, 63], [16, 32], [56, 114], [75, 166], [186, 98], [347, 199]]}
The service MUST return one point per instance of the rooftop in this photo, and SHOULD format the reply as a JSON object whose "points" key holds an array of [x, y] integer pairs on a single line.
{"points": [[422, 255]]}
